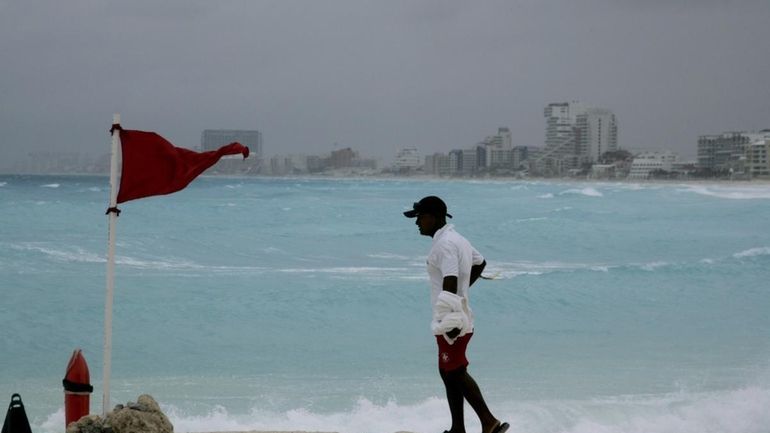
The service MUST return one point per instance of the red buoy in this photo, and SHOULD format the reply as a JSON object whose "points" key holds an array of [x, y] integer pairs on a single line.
{"points": [[77, 389]]}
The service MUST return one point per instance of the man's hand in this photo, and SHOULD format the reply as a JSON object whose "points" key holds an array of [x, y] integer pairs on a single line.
{"points": [[453, 333]]}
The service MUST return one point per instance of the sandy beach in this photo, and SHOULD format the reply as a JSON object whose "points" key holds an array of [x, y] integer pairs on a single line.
{"points": [[280, 432]]}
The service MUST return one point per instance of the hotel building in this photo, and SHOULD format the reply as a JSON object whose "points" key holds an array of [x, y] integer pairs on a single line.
{"points": [[213, 139]]}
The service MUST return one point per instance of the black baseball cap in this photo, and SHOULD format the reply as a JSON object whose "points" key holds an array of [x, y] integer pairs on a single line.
{"points": [[430, 204]]}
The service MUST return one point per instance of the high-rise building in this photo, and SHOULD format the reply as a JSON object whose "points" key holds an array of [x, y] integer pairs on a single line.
{"points": [[560, 137], [561, 118], [499, 158], [758, 158], [342, 158], [455, 162], [576, 134], [437, 164], [281, 165], [502, 140], [470, 163], [727, 151], [596, 133], [407, 159], [497, 150], [520, 156], [213, 139]]}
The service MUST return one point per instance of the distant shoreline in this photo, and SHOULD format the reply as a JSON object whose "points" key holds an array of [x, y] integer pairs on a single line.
{"points": [[439, 178]]}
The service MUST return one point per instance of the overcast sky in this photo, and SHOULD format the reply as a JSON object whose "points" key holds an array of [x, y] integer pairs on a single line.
{"points": [[377, 75]]}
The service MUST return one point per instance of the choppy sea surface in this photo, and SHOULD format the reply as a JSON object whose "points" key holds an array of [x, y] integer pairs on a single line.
{"points": [[303, 304]]}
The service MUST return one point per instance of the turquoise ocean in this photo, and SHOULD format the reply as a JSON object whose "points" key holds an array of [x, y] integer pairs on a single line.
{"points": [[303, 304]]}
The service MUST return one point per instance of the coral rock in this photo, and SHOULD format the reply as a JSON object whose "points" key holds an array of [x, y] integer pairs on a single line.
{"points": [[144, 416]]}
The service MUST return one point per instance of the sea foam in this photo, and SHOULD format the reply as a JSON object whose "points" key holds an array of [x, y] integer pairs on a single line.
{"points": [[76, 254], [589, 192], [729, 411], [732, 193], [733, 411], [753, 252]]}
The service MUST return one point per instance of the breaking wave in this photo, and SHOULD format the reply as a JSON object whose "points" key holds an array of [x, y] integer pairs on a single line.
{"points": [[728, 411], [732, 193], [589, 192], [753, 252], [388, 256], [524, 220], [77, 254], [401, 267]]}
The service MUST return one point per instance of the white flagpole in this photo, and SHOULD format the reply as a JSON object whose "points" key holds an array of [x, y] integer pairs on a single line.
{"points": [[113, 219]]}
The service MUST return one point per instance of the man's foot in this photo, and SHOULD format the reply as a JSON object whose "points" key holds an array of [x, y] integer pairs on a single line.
{"points": [[501, 427]]}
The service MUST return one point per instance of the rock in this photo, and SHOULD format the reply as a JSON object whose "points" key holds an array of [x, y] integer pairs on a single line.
{"points": [[144, 416], [87, 424], [149, 402]]}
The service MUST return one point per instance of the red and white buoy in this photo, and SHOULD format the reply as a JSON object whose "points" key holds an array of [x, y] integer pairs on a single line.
{"points": [[77, 389]]}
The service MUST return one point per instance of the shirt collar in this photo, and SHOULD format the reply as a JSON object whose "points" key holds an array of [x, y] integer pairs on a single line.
{"points": [[442, 231]]}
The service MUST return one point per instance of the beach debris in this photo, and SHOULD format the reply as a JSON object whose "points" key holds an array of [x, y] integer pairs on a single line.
{"points": [[142, 416]]}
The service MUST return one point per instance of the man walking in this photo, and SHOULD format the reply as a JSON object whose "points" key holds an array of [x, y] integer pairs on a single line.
{"points": [[453, 266]]}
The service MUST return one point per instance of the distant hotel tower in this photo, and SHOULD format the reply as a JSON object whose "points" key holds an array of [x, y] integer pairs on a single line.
{"points": [[576, 134], [213, 139]]}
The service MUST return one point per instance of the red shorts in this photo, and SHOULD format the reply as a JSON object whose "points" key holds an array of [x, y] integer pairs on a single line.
{"points": [[452, 356]]}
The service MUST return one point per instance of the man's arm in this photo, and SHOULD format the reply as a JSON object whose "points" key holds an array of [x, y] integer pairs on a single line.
{"points": [[476, 271], [450, 284]]}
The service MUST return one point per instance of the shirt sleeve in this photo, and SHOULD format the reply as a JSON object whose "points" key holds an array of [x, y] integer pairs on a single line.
{"points": [[449, 261], [477, 258]]}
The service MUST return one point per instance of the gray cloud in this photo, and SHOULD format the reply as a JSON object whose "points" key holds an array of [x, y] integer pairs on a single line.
{"points": [[377, 75]]}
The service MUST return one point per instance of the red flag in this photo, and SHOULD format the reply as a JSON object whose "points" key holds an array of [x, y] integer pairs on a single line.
{"points": [[153, 166]]}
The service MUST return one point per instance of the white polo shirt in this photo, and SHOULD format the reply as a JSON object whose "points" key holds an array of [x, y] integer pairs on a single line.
{"points": [[452, 255]]}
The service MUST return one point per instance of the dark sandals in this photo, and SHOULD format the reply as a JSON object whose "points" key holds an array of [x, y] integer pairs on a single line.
{"points": [[501, 428]]}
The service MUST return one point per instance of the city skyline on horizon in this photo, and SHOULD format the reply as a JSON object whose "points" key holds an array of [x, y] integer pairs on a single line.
{"points": [[377, 76], [93, 159], [690, 153]]}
